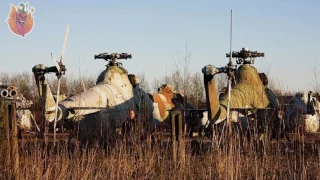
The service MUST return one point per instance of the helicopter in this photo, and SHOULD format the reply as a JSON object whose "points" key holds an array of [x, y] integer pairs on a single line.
{"points": [[101, 109], [166, 99], [248, 91], [104, 107]]}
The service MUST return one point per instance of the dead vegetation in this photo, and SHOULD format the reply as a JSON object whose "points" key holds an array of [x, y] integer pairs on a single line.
{"points": [[257, 160]]}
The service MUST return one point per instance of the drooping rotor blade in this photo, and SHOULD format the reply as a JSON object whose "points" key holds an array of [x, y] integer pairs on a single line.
{"points": [[83, 85], [56, 113], [64, 44], [34, 121], [55, 62]]}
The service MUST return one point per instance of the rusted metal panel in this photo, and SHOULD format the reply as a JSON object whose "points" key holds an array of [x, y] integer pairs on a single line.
{"points": [[12, 154], [14, 139], [7, 134]]}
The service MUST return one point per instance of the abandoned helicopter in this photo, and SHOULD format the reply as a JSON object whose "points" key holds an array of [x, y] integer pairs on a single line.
{"points": [[303, 112], [25, 119], [168, 99], [101, 108], [248, 92]]}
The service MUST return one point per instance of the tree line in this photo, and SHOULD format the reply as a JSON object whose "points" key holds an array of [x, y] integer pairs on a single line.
{"points": [[26, 83], [190, 85]]}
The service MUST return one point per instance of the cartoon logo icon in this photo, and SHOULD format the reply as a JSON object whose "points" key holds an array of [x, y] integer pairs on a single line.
{"points": [[20, 19]]}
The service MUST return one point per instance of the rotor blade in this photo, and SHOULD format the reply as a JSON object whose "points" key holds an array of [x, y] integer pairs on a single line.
{"points": [[219, 121], [55, 62], [34, 121], [64, 44], [55, 119], [83, 85]]}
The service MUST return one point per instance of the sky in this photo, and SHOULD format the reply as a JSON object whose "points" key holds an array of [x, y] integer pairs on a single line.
{"points": [[154, 32]]}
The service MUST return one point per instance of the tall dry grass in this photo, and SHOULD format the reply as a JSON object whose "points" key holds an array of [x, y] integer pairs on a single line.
{"points": [[256, 159]]}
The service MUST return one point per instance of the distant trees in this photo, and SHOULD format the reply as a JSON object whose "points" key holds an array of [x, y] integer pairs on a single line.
{"points": [[26, 83], [185, 82], [197, 89], [156, 83], [221, 81], [189, 84], [71, 85], [316, 71], [193, 90], [143, 84]]}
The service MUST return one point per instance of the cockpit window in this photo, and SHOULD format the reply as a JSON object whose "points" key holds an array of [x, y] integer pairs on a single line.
{"points": [[101, 77]]}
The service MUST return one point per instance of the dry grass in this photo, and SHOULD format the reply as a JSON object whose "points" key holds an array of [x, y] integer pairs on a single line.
{"points": [[257, 159], [139, 162]]}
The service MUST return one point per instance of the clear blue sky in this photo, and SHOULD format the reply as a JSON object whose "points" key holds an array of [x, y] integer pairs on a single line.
{"points": [[287, 31]]}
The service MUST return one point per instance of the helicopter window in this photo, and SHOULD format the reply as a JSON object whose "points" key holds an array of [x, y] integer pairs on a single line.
{"points": [[151, 97], [132, 79], [101, 77]]}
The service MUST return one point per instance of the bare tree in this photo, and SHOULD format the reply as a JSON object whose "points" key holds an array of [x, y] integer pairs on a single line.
{"points": [[24, 81], [144, 85], [75, 85], [167, 79], [182, 66], [221, 81], [4, 78], [177, 81], [63, 85], [156, 83], [316, 71], [196, 89]]}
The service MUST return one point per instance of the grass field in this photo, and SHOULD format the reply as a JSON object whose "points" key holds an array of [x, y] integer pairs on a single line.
{"points": [[262, 160]]}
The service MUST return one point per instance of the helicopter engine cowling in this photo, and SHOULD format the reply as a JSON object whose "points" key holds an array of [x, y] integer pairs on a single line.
{"points": [[113, 90], [99, 97], [90, 101]]}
